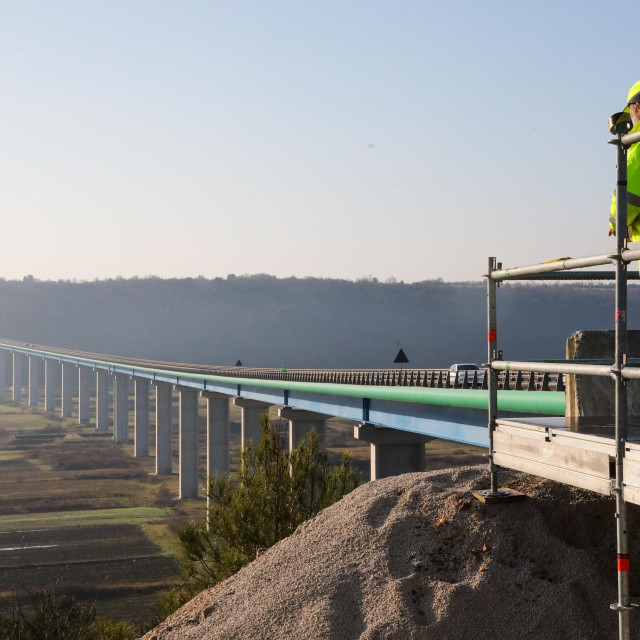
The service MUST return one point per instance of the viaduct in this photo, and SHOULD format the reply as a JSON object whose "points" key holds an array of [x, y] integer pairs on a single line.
{"points": [[395, 411]]}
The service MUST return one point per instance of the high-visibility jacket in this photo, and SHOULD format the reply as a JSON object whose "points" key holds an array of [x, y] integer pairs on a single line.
{"points": [[633, 192]]}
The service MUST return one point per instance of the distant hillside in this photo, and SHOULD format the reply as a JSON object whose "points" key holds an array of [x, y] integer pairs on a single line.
{"points": [[301, 322]]}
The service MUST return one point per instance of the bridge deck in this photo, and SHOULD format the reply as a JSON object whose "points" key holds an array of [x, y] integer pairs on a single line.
{"points": [[576, 451]]}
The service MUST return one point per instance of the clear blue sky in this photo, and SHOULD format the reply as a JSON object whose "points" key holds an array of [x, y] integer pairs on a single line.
{"points": [[334, 138]]}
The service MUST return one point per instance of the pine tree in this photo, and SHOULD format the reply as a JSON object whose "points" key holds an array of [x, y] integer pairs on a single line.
{"points": [[276, 491]]}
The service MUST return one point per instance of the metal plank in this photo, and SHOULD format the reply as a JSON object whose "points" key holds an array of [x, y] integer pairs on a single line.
{"points": [[631, 473], [565, 476], [584, 461], [590, 443], [522, 425], [631, 494], [632, 451], [523, 431]]}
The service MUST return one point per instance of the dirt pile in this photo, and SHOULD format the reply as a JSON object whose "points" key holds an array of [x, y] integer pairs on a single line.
{"points": [[416, 556]]}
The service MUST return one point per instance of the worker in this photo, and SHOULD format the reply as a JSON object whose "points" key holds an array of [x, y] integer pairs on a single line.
{"points": [[633, 173]]}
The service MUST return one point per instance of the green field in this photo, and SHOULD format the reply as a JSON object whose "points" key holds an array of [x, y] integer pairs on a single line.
{"points": [[81, 514]]}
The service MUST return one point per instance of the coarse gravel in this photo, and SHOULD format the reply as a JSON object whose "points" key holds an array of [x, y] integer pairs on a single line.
{"points": [[416, 556]]}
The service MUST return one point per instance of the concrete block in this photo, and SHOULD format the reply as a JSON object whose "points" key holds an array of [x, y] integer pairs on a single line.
{"points": [[593, 396]]}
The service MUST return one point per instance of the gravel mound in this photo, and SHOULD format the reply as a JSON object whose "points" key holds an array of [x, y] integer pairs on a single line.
{"points": [[416, 556]]}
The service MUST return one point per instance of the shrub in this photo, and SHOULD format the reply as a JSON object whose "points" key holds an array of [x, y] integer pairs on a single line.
{"points": [[53, 616], [275, 493]]}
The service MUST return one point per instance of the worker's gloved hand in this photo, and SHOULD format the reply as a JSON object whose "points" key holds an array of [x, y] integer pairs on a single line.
{"points": [[612, 232]]}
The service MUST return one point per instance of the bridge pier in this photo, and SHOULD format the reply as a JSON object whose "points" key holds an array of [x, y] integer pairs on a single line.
{"points": [[217, 433], [102, 401], [84, 394], [121, 408], [67, 389], [250, 428], [188, 465], [164, 452], [50, 384], [3, 371], [301, 422], [18, 362], [141, 424], [34, 380], [393, 452]]}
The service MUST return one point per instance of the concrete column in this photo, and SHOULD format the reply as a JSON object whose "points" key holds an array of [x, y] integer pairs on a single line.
{"points": [[121, 408], [18, 361], [50, 369], [102, 400], [164, 453], [34, 379], [141, 424], [250, 429], [301, 422], [217, 433], [393, 452], [188, 443], [3, 371], [84, 394], [67, 389]]}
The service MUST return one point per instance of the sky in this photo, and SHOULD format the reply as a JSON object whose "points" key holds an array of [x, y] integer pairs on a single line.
{"points": [[339, 139]]}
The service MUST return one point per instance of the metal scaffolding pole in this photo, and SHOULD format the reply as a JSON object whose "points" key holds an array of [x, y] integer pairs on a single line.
{"points": [[618, 369], [623, 606], [492, 346]]}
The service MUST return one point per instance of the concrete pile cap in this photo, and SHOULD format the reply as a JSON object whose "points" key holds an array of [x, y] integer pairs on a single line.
{"points": [[415, 556]]}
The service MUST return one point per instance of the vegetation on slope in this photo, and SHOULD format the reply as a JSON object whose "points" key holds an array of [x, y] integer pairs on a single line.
{"points": [[275, 492]]}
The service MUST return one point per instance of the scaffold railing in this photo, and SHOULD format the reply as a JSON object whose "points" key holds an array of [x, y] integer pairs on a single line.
{"points": [[619, 368]]}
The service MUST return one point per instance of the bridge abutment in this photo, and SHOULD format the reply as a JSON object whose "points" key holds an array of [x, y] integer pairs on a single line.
{"points": [[250, 427], [164, 453], [188, 453], [393, 452], [301, 422]]}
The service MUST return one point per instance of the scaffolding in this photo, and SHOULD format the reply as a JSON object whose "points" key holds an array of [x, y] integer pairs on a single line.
{"points": [[620, 369]]}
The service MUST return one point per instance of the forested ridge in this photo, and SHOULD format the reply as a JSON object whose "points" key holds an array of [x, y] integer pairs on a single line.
{"points": [[302, 322]]}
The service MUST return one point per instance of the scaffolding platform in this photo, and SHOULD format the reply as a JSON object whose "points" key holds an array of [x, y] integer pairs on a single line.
{"points": [[577, 451]]}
